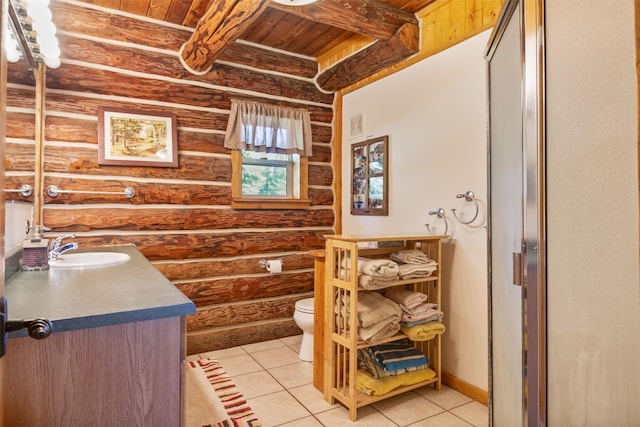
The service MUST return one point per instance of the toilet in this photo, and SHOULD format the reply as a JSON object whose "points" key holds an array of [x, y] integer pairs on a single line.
{"points": [[303, 316]]}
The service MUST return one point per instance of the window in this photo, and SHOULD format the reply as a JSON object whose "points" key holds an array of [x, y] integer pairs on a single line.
{"points": [[268, 174], [270, 145]]}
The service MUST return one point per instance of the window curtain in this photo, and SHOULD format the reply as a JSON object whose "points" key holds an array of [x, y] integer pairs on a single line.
{"points": [[272, 128]]}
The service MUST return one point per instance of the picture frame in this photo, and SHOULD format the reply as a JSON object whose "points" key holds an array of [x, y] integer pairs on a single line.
{"points": [[369, 177], [129, 137]]}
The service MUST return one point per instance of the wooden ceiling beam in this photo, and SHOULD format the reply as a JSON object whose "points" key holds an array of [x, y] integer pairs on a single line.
{"points": [[371, 18], [370, 60], [396, 30], [223, 23]]}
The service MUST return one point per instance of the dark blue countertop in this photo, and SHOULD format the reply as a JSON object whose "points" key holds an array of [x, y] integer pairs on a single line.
{"points": [[91, 297]]}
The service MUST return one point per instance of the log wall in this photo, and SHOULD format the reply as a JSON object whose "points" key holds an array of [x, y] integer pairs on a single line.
{"points": [[180, 218]]}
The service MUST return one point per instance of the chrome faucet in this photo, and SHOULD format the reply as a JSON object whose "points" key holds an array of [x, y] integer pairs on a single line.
{"points": [[56, 248]]}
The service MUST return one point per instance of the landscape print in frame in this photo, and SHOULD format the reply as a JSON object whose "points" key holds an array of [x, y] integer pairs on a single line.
{"points": [[136, 138]]}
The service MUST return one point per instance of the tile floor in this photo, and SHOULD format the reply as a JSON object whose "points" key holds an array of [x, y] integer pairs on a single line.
{"points": [[278, 387]]}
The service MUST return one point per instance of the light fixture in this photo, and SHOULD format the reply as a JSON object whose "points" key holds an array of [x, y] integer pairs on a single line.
{"points": [[11, 47], [295, 2], [34, 33]]}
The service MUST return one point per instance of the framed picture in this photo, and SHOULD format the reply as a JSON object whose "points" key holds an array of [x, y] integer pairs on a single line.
{"points": [[369, 177], [137, 138]]}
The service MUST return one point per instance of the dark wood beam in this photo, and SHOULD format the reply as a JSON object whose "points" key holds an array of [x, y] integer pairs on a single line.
{"points": [[371, 18], [374, 58], [217, 29]]}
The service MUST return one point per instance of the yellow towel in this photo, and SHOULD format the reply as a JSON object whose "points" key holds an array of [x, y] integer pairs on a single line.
{"points": [[366, 384], [424, 332]]}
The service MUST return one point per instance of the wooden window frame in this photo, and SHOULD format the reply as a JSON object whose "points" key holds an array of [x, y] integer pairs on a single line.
{"points": [[238, 201]]}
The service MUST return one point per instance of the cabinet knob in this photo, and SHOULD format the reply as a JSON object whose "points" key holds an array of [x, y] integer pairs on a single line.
{"points": [[38, 328]]}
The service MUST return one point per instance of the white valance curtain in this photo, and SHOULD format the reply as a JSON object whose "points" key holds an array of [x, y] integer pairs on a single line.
{"points": [[272, 128]]}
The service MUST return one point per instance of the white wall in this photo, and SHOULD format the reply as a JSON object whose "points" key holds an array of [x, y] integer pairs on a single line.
{"points": [[17, 215], [592, 175], [435, 114]]}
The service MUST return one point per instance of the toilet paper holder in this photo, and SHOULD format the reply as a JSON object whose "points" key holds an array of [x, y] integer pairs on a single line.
{"points": [[263, 262]]}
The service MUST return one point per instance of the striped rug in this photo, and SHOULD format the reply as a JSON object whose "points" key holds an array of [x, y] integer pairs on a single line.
{"points": [[212, 400]]}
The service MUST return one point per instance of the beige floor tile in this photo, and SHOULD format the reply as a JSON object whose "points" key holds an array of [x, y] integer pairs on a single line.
{"points": [[292, 341], [261, 346], [446, 397], [256, 384], [474, 413], [293, 375], [311, 398], [276, 357], [221, 354], [305, 422], [278, 387], [367, 417], [277, 408], [407, 408], [239, 365], [445, 419], [192, 357]]}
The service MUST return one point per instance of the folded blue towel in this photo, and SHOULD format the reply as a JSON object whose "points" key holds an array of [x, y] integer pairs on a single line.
{"points": [[370, 364], [397, 355]]}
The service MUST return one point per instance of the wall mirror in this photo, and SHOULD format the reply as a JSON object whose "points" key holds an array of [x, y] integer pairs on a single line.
{"points": [[21, 110], [31, 46], [369, 177]]}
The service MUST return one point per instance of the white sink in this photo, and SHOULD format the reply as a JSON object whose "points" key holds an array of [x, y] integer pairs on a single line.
{"points": [[89, 260]]}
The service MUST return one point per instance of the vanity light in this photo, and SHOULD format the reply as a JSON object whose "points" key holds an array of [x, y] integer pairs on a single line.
{"points": [[11, 47], [30, 21]]}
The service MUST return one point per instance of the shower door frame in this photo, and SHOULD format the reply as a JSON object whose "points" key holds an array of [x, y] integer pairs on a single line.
{"points": [[533, 273]]}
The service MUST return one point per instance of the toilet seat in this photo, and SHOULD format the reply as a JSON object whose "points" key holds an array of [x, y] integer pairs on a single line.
{"points": [[305, 305]]}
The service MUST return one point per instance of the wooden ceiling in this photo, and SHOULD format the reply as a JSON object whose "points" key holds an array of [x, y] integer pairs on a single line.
{"points": [[310, 30]]}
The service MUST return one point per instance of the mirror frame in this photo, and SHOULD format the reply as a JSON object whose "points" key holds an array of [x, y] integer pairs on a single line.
{"points": [[370, 163]]}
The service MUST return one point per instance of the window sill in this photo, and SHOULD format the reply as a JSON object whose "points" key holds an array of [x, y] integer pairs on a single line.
{"points": [[269, 203]]}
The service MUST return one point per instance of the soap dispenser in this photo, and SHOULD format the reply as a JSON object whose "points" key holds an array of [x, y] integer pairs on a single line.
{"points": [[35, 250]]}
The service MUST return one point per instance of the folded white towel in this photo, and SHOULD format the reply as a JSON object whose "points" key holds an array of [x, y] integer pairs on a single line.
{"points": [[433, 315], [423, 311], [410, 256], [378, 317], [372, 308], [370, 282], [375, 282], [379, 331], [374, 267], [406, 298], [415, 271]]}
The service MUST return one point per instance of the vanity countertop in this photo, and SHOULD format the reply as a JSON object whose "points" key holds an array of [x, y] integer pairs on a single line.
{"points": [[91, 297]]}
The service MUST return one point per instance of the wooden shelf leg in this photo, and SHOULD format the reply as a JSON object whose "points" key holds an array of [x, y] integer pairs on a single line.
{"points": [[353, 412]]}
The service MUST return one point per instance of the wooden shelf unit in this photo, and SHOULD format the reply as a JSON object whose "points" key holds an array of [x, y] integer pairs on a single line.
{"points": [[340, 345]]}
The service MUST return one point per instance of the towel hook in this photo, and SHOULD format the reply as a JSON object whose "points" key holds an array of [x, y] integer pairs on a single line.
{"points": [[469, 196], [440, 213]]}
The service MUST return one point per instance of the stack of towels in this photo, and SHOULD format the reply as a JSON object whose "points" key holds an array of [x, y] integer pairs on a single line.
{"points": [[378, 317], [394, 358], [420, 320], [372, 273], [414, 264], [387, 366]]}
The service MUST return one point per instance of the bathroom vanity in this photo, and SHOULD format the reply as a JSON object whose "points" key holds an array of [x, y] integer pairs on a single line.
{"points": [[116, 353]]}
